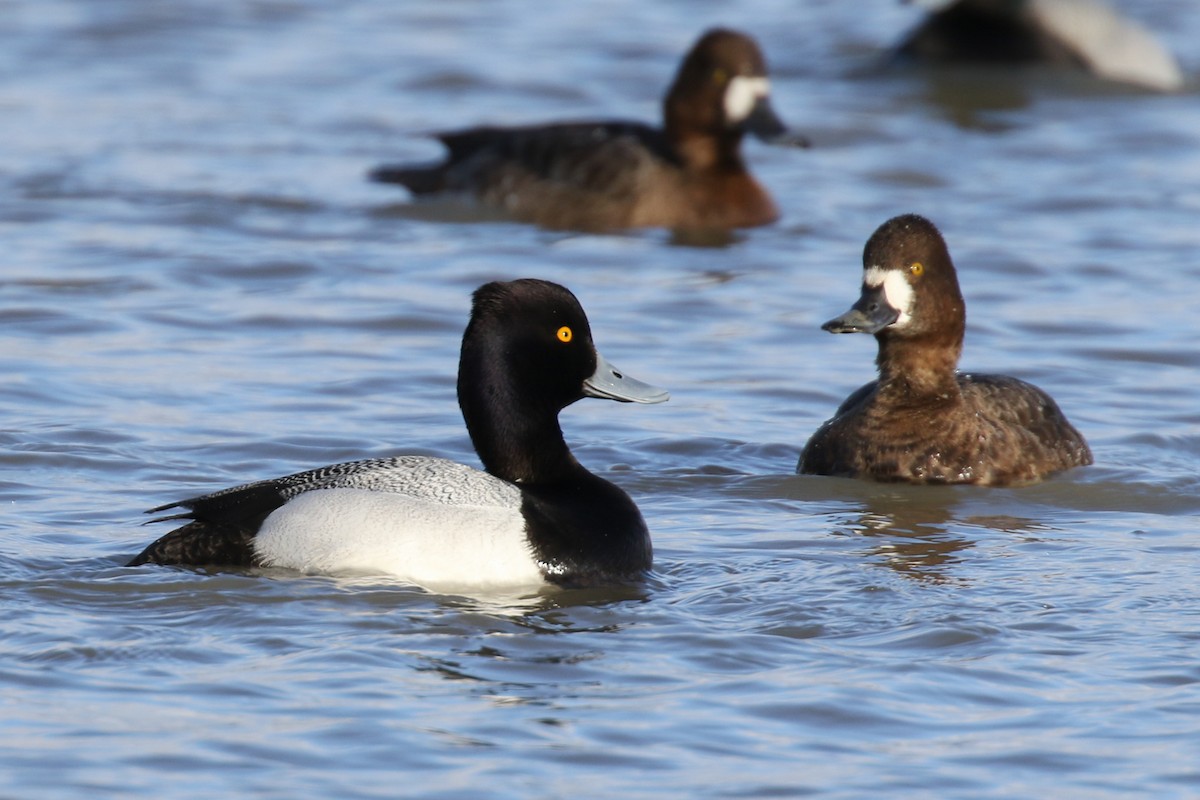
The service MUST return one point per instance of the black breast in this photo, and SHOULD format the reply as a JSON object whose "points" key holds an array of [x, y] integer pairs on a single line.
{"points": [[586, 532]]}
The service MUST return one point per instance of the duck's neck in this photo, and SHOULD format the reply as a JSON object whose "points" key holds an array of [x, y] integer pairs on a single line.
{"points": [[697, 139], [718, 153], [514, 441], [918, 370]]}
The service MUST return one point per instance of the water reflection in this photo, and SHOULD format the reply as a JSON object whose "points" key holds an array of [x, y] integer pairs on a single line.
{"points": [[458, 209], [548, 610], [922, 532], [450, 210], [516, 653], [971, 100], [715, 238], [922, 552]]}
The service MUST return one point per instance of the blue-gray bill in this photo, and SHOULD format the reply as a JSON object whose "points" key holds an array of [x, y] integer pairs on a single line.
{"points": [[766, 125], [870, 314], [610, 383]]}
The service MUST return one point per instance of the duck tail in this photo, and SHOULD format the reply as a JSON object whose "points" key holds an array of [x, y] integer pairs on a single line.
{"points": [[417, 179]]}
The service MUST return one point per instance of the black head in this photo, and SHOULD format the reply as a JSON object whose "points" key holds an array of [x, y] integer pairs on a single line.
{"points": [[910, 289], [527, 353], [722, 90], [532, 336]]}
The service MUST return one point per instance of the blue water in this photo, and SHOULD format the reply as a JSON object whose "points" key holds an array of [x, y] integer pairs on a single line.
{"points": [[199, 288]]}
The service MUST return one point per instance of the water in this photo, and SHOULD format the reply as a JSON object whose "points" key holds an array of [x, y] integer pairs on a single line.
{"points": [[200, 289]]}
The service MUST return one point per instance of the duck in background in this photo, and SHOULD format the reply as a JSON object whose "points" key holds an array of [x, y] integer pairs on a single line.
{"points": [[535, 517], [1081, 33], [598, 176], [922, 421]]}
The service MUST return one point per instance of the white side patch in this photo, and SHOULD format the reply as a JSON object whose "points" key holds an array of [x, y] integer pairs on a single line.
{"points": [[873, 277], [741, 95], [896, 290], [432, 544]]}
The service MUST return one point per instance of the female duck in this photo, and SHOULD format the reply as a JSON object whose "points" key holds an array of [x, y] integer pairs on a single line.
{"points": [[921, 421], [535, 516], [613, 175]]}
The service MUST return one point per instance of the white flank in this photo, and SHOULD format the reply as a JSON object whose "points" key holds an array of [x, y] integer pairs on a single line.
{"points": [[1114, 47], [741, 95], [896, 290], [432, 544]]}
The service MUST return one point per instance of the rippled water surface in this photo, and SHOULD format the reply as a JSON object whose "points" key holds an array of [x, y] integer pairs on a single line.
{"points": [[199, 288]]}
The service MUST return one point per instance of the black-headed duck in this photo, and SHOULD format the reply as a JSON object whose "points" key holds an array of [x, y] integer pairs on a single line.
{"points": [[536, 516], [1085, 34]]}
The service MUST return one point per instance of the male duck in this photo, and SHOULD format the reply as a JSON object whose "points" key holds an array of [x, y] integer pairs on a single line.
{"points": [[1078, 33], [536, 516]]}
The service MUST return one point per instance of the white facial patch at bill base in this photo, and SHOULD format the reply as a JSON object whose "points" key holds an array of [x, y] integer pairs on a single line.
{"points": [[741, 95], [896, 290]]}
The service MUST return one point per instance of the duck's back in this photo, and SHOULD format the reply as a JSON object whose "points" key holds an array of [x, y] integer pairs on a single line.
{"points": [[1031, 436], [998, 431], [598, 176], [574, 175]]}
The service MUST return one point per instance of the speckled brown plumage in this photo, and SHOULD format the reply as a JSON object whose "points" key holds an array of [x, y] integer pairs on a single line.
{"points": [[921, 422]]}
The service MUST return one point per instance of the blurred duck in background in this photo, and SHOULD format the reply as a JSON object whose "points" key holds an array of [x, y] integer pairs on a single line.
{"points": [[611, 175], [1086, 34]]}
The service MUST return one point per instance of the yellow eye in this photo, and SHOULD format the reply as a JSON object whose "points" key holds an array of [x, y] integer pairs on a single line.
{"points": [[916, 269], [565, 334], [719, 75]]}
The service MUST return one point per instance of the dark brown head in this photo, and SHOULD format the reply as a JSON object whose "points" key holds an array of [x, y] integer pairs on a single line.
{"points": [[722, 92], [909, 290]]}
